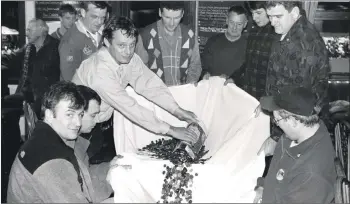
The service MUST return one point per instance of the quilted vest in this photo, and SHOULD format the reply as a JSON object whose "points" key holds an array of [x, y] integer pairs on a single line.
{"points": [[150, 40]]}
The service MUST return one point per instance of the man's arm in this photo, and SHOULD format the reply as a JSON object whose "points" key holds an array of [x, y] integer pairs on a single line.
{"points": [[314, 58], [70, 60], [141, 51], [98, 174], [109, 89], [58, 179], [207, 58], [307, 188], [195, 66], [55, 65]]}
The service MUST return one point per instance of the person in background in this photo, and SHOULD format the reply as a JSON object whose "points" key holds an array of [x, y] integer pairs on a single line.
{"points": [[84, 37], [224, 53], [253, 73], [299, 58], [68, 16], [38, 63], [169, 48], [302, 169], [52, 165], [114, 66]]}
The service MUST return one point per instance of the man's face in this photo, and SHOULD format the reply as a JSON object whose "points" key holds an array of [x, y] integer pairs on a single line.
{"points": [[170, 18], [287, 124], [94, 18], [88, 121], [236, 23], [260, 17], [33, 32], [67, 20], [281, 19], [65, 121], [122, 47]]}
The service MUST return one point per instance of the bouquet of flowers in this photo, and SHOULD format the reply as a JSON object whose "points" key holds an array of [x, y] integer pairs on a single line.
{"points": [[338, 47]]}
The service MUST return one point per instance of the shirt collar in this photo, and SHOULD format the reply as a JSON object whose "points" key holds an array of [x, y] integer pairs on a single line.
{"points": [[306, 145], [296, 29]]}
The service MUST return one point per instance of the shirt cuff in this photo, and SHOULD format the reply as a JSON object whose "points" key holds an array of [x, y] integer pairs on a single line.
{"points": [[164, 128], [173, 108]]}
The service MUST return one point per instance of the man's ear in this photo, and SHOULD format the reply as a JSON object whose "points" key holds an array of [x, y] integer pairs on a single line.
{"points": [[106, 42], [160, 12], [83, 13], [295, 12], [49, 115]]}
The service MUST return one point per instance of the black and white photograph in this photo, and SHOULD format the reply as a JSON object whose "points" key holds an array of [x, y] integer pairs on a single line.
{"points": [[175, 101]]}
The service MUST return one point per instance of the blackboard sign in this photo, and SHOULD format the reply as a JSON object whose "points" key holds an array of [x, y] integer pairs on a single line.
{"points": [[48, 10], [212, 19]]}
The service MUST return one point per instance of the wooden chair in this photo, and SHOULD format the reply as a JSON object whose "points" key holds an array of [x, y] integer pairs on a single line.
{"points": [[342, 139]]}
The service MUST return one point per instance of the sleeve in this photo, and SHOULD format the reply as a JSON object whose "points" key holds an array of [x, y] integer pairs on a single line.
{"points": [[141, 51], [98, 177], [307, 188], [108, 87], [59, 181], [195, 67], [70, 59], [153, 88], [207, 57], [315, 59], [55, 65]]}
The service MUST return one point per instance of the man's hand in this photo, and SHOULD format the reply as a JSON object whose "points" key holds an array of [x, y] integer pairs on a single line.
{"points": [[268, 147], [183, 134], [258, 195], [206, 76], [185, 115], [229, 81]]}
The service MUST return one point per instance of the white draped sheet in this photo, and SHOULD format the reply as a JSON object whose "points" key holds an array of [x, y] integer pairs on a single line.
{"points": [[234, 138]]}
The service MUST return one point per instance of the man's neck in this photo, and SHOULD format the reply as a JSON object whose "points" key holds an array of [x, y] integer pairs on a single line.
{"points": [[232, 38], [284, 35], [39, 42], [306, 132], [86, 27]]}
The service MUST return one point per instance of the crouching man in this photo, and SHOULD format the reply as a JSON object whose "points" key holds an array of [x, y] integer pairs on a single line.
{"points": [[302, 169], [52, 166]]}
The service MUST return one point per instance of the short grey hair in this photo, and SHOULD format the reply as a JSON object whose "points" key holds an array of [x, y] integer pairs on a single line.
{"points": [[40, 23]]}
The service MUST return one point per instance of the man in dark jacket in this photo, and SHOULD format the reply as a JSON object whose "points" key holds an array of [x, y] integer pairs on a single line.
{"points": [[302, 169], [52, 166], [38, 62]]}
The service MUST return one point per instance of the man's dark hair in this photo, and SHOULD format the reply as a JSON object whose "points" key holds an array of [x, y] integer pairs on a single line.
{"points": [[62, 91], [239, 10], [66, 8], [89, 94], [288, 5], [99, 4], [119, 23], [172, 5], [254, 5]]}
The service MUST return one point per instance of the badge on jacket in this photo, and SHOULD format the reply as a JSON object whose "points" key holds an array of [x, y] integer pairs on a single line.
{"points": [[87, 50], [280, 175]]}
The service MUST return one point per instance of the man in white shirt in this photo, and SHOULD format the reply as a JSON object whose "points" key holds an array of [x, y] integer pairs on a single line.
{"points": [[112, 68]]}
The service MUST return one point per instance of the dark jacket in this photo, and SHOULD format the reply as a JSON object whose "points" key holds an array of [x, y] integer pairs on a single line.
{"points": [[300, 59], [38, 70], [253, 73], [47, 170]]}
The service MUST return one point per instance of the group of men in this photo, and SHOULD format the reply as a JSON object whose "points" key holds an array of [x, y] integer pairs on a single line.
{"points": [[285, 59]]}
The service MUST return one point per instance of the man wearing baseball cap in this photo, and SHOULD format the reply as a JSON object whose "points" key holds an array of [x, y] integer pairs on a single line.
{"points": [[302, 169]]}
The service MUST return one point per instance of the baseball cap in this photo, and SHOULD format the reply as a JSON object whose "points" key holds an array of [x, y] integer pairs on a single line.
{"points": [[300, 101]]}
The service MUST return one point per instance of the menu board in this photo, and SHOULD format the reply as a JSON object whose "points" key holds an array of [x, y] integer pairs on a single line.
{"points": [[48, 10], [212, 19]]}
